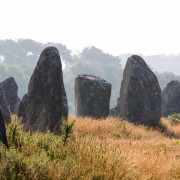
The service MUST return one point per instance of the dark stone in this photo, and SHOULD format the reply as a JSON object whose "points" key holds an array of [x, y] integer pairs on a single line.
{"points": [[171, 98], [4, 106], [3, 137], [92, 96], [140, 94], [116, 110], [46, 102], [10, 89], [22, 106]]}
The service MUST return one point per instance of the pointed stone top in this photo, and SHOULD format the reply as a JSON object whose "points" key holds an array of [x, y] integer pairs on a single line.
{"points": [[173, 83], [9, 82], [135, 59], [50, 49], [49, 55]]}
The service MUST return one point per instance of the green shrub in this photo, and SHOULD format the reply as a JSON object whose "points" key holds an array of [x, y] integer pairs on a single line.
{"points": [[15, 132], [66, 129]]}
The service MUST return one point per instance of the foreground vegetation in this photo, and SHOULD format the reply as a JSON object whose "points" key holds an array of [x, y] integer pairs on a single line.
{"points": [[104, 149]]}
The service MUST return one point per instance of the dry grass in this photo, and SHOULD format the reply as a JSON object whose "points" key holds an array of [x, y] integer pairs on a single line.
{"points": [[135, 152], [98, 149], [172, 129]]}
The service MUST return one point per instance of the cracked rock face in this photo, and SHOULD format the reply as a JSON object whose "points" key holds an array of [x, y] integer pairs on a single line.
{"points": [[10, 88], [92, 96], [46, 103], [140, 94], [171, 98], [3, 137]]}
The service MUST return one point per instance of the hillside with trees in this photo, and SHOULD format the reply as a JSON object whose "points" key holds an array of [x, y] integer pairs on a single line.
{"points": [[19, 58]]}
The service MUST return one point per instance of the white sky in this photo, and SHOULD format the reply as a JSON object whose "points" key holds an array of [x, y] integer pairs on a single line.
{"points": [[115, 26]]}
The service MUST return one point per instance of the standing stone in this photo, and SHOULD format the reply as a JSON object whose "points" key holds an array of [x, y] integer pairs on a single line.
{"points": [[22, 106], [10, 89], [46, 101], [4, 106], [140, 94], [171, 98], [3, 137], [92, 96], [116, 110]]}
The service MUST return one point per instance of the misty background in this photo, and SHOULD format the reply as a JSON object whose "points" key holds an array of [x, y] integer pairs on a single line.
{"points": [[19, 58]]}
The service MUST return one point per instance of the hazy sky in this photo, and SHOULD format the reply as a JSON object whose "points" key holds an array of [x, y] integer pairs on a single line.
{"points": [[115, 26]]}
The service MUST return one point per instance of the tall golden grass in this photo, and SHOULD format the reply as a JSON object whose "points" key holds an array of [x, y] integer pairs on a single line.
{"points": [[98, 149], [134, 152]]}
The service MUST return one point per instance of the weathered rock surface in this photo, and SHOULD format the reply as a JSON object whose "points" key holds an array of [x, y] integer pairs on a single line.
{"points": [[22, 106], [140, 94], [171, 98], [116, 110], [46, 101], [10, 89], [3, 137], [4, 106], [92, 96]]}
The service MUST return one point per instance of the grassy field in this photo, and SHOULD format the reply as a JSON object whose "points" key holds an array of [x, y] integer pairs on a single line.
{"points": [[96, 149]]}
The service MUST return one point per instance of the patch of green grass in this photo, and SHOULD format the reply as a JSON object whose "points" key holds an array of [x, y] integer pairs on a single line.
{"points": [[175, 117], [124, 132], [176, 142]]}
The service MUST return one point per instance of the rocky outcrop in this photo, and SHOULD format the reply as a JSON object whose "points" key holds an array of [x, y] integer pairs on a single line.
{"points": [[92, 96], [4, 106], [140, 94], [10, 89], [3, 137], [171, 98], [46, 101]]}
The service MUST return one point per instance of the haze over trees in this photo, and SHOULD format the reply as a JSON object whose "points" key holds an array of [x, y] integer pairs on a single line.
{"points": [[19, 58]]}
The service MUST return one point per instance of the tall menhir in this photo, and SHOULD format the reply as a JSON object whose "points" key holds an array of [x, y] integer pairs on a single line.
{"points": [[46, 101], [140, 94]]}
